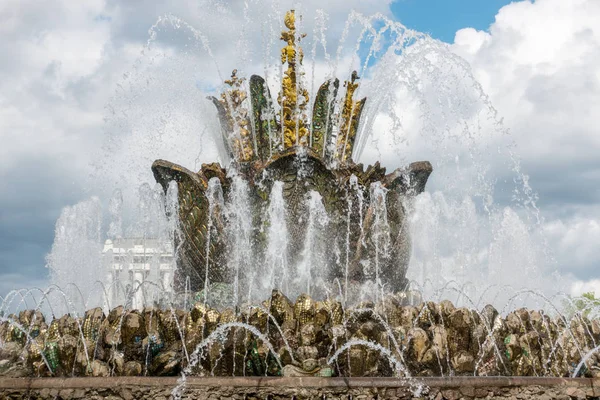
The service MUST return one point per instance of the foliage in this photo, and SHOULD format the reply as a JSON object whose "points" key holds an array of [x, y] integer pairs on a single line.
{"points": [[587, 305]]}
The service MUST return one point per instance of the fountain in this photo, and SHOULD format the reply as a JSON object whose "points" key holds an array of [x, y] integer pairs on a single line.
{"points": [[288, 215], [311, 164]]}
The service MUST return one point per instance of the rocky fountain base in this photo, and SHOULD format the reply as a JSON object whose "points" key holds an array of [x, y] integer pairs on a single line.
{"points": [[301, 339], [302, 349]]}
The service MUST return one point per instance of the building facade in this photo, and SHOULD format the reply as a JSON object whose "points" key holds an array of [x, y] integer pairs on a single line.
{"points": [[139, 272]]}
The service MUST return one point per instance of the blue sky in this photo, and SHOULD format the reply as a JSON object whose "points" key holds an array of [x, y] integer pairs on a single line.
{"points": [[442, 18]]}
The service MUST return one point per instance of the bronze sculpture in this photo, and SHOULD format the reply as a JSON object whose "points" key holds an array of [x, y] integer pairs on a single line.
{"points": [[267, 146]]}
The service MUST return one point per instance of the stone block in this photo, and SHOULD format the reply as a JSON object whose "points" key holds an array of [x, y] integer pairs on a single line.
{"points": [[451, 394], [126, 394], [575, 392]]}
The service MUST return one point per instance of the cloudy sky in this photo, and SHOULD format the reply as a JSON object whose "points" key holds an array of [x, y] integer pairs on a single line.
{"points": [[92, 91]]}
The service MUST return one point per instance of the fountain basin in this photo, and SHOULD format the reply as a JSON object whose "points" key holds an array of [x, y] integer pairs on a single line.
{"points": [[127, 388]]}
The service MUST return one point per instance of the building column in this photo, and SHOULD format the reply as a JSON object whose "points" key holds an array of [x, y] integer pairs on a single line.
{"points": [[138, 297]]}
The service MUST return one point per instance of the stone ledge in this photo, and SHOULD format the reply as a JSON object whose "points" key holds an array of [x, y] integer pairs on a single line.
{"points": [[243, 388], [306, 382]]}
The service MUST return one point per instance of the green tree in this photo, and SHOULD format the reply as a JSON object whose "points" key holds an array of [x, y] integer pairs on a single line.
{"points": [[587, 305]]}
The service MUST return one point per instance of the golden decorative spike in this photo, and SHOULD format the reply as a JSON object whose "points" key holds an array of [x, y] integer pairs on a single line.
{"points": [[349, 118], [237, 115], [304, 310], [227, 316], [212, 316], [53, 331], [293, 98]]}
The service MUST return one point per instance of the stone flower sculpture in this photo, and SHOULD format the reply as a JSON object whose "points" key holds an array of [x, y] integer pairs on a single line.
{"points": [[269, 145]]}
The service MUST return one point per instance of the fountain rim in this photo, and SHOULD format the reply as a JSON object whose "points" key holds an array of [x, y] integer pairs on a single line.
{"points": [[256, 382]]}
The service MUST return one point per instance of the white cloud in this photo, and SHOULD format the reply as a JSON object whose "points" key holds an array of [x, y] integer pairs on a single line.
{"points": [[540, 64], [575, 242], [580, 287], [51, 98]]}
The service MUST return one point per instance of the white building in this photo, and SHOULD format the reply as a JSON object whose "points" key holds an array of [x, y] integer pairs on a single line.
{"points": [[138, 269]]}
